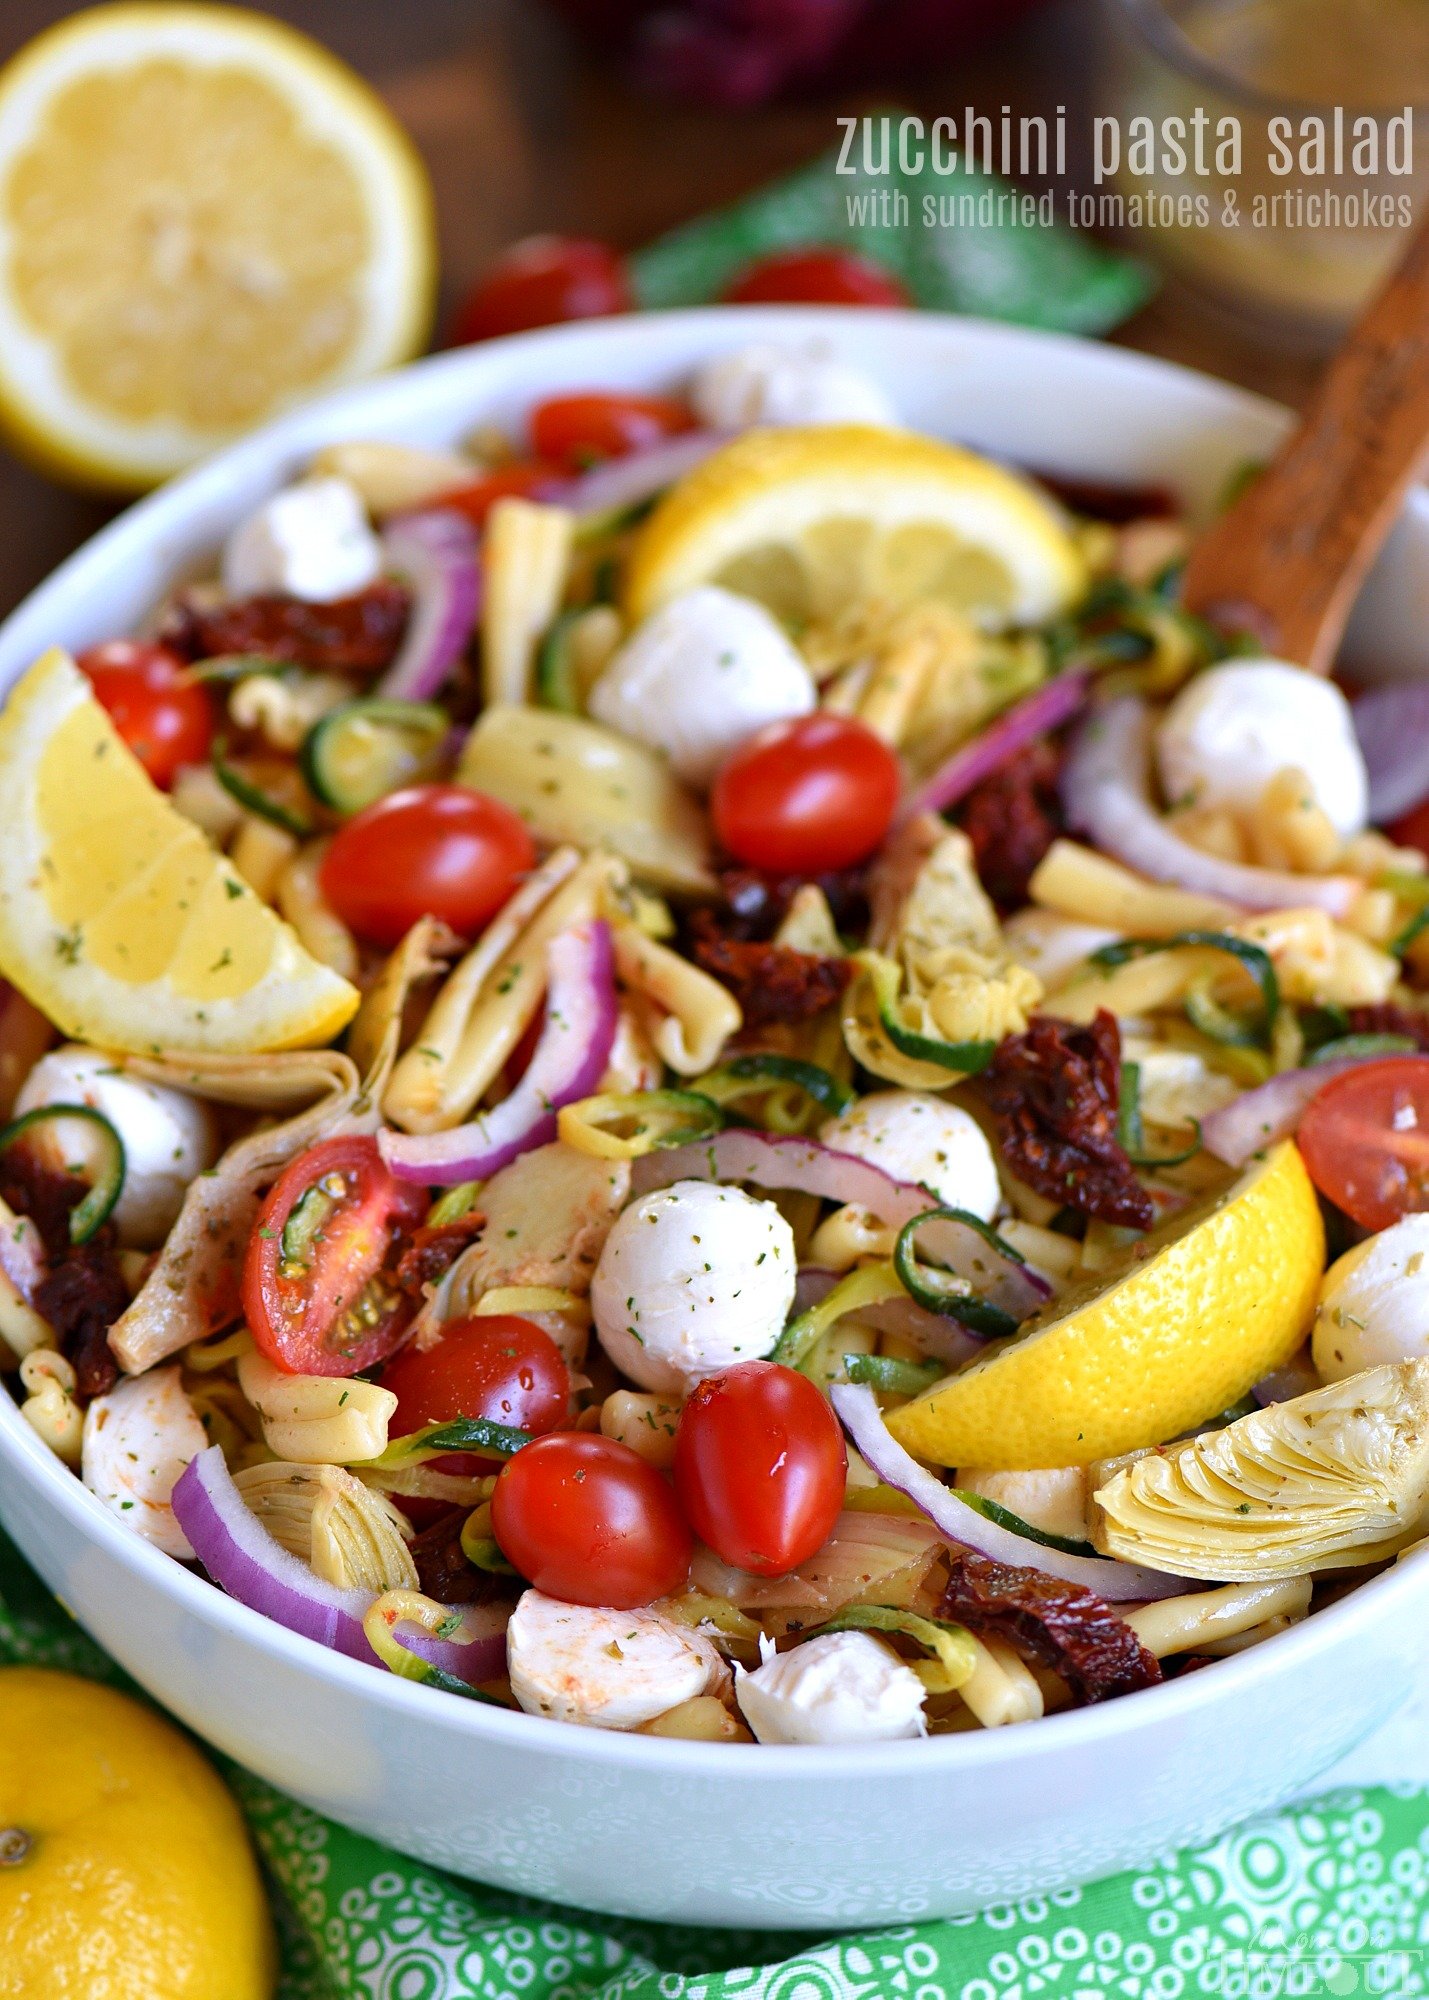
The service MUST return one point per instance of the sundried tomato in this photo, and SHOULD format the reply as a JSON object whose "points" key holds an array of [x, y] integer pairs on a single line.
{"points": [[432, 1251], [772, 982], [758, 903], [1055, 1093], [81, 1298], [1387, 1019], [357, 634], [1012, 818], [83, 1291], [1055, 1624], [443, 1570]]}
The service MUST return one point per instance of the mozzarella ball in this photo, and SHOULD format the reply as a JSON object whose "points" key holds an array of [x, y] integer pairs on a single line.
{"points": [[766, 384], [607, 1669], [1374, 1303], [1052, 946], [167, 1136], [846, 1687], [312, 540], [137, 1440], [692, 1279], [699, 677], [917, 1137], [1232, 728]]}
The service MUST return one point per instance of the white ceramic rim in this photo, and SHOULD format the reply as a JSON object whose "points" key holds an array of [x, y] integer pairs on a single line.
{"points": [[1387, 1596]]}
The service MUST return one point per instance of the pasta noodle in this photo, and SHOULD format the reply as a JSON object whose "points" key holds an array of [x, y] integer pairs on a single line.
{"points": [[49, 1406], [1001, 1689], [320, 929], [700, 1014], [490, 998], [1077, 882], [1181, 1624], [317, 1419], [526, 556]]}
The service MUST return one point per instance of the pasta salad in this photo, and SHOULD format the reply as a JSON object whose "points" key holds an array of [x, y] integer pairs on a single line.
{"points": [[706, 1071]]}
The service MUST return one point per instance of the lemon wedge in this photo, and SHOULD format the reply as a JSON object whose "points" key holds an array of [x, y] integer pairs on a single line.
{"points": [[809, 521], [204, 218], [117, 917], [1210, 1303]]}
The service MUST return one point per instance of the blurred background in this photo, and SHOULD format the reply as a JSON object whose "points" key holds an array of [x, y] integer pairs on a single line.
{"points": [[620, 120]]}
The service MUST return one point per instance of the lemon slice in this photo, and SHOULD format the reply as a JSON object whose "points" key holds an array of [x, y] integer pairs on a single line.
{"points": [[204, 218], [117, 918], [809, 521], [1212, 1303]]}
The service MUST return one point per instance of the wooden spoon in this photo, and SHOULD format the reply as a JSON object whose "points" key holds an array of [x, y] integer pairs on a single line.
{"points": [[1287, 559]]}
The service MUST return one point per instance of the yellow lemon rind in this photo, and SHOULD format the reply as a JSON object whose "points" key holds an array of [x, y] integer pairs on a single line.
{"points": [[769, 486], [297, 1002], [1166, 1345]]}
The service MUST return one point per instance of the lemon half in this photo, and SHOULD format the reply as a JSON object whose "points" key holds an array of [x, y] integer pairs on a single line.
{"points": [[204, 218], [117, 917], [811, 520], [1213, 1302]]}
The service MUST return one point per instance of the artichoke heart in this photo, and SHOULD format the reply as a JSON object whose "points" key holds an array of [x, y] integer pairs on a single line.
{"points": [[1330, 1480], [346, 1533]]}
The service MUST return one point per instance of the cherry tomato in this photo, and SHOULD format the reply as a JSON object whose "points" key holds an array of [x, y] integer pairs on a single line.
{"points": [[580, 430], [540, 282], [818, 278], [1365, 1140], [1413, 829], [760, 1467], [499, 1367], [524, 480], [584, 1518], [165, 717], [432, 850], [314, 1294], [806, 796]]}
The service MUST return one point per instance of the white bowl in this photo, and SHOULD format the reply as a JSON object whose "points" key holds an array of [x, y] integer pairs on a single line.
{"points": [[631, 1824]]}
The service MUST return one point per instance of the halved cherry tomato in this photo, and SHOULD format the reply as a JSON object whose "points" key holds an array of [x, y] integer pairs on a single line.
{"points": [[431, 850], [806, 796], [526, 479], [580, 430], [164, 716], [500, 1367], [1365, 1140], [760, 1467], [816, 277], [314, 1291], [540, 282], [584, 1518]]}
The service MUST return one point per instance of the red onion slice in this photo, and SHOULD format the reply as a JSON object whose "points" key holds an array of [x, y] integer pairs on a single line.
{"points": [[1259, 1118], [244, 1560], [772, 1161], [1117, 1582], [1392, 724], [1048, 708], [434, 552], [1106, 789], [570, 1059], [625, 482]]}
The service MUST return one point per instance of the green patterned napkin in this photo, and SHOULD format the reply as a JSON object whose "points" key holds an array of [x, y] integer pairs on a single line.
{"points": [[981, 260], [1332, 1898]]}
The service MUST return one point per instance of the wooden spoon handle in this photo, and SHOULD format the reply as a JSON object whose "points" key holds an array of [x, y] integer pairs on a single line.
{"points": [[1286, 561]]}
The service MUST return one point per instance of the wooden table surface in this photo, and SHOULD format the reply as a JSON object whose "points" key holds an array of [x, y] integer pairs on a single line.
{"points": [[523, 132]]}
